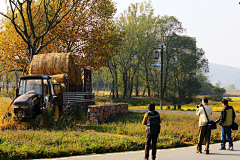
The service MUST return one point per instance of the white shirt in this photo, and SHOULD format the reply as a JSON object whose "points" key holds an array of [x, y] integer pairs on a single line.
{"points": [[202, 116]]}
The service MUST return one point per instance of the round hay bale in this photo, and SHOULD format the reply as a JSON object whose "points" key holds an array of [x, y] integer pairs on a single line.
{"points": [[59, 78], [36, 66], [52, 63]]}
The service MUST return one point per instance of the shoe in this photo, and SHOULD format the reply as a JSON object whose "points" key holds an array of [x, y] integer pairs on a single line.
{"points": [[207, 152], [198, 151], [145, 158], [231, 148], [221, 148]]}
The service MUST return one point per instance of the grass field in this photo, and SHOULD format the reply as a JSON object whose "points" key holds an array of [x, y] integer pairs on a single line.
{"points": [[123, 132]]}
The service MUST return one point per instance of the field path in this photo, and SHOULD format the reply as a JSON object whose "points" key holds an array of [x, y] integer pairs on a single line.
{"points": [[144, 110], [182, 153]]}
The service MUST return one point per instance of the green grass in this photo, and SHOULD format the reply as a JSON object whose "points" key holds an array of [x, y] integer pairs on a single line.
{"points": [[123, 132], [72, 135]]}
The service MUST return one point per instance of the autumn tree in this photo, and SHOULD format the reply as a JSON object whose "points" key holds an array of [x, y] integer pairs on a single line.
{"points": [[33, 24], [91, 34], [83, 27]]}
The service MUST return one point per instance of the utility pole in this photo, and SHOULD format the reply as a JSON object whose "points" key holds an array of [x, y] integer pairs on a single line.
{"points": [[161, 101]]}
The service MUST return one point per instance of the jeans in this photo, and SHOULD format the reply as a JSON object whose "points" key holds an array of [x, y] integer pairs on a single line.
{"points": [[226, 130], [204, 132], [150, 138]]}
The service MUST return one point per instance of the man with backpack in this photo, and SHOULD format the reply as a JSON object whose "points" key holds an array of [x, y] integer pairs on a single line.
{"points": [[225, 120], [152, 121]]}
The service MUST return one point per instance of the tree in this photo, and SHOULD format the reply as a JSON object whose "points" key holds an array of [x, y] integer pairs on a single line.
{"points": [[136, 52], [80, 26], [90, 33], [230, 87], [33, 20]]}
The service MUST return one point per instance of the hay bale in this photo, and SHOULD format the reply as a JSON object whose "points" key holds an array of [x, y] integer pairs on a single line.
{"points": [[59, 78], [36, 66], [52, 63], [59, 64]]}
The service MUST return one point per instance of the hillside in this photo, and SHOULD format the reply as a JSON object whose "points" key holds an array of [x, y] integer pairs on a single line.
{"points": [[225, 74]]}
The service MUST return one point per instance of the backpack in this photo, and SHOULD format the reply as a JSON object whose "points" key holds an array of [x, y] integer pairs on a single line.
{"points": [[153, 123]]}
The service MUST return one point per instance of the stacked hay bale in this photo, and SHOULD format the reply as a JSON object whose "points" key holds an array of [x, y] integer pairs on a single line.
{"points": [[59, 66]]}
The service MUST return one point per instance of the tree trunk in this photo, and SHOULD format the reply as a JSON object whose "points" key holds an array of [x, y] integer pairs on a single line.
{"points": [[125, 83], [116, 85], [136, 87], [131, 87], [113, 88], [7, 82], [144, 91]]}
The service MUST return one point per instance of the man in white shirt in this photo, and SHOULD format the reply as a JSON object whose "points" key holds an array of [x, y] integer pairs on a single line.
{"points": [[204, 132]]}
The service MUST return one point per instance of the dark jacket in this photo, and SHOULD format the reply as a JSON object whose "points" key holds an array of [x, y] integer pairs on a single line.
{"points": [[227, 116]]}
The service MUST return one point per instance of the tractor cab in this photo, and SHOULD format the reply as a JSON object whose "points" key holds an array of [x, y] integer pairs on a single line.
{"points": [[35, 92]]}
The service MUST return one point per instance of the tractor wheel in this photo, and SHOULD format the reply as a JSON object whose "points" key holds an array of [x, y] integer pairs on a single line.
{"points": [[6, 117], [40, 120], [56, 111]]}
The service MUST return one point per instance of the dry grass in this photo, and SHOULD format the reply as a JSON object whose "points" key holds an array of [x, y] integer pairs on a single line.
{"points": [[4, 103]]}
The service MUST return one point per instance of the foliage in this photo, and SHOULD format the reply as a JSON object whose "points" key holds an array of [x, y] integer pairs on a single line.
{"points": [[230, 87], [131, 69], [84, 27]]}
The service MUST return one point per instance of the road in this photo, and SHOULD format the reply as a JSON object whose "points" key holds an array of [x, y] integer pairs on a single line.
{"points": [[182, 153]]}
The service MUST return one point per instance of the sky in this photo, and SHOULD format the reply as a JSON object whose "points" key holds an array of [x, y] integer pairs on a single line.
{"points": [[214, 23]]}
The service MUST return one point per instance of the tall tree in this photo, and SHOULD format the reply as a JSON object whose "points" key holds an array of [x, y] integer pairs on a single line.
{"points": [[80, 26], [138, 23], [33, 20]]}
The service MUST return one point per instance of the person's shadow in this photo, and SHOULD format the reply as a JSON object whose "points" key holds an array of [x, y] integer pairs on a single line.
{"points": [[231, 153]]}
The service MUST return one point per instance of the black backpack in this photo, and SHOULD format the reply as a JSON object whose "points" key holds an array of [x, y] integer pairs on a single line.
{"points": [[153, 123]]}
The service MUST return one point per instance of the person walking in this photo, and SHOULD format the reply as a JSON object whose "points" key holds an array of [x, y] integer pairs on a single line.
{"points": [[225, 120], [204, 131], [152, 121]]}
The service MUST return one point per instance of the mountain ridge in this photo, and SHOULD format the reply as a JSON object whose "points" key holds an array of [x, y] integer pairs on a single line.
{"points": [[224, 74]]}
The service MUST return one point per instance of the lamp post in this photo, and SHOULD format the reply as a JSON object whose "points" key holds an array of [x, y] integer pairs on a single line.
{"points": [[161, 102], [156, 56]]}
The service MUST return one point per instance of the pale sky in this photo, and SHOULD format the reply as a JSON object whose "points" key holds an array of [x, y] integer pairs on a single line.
{"points": [[214, 23]]}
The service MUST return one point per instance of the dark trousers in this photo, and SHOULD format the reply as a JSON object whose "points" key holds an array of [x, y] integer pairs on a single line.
{"points": [[204, 132], [150, 138]]}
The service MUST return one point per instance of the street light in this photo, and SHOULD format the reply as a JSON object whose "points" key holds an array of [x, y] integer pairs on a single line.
{"points": [[156, 56]]}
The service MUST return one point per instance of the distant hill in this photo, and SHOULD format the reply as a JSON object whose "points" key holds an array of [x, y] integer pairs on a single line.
{"points": [[225, 74]]}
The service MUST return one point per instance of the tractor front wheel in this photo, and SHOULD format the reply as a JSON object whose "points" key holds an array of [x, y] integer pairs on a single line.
{"points": [[40, 120], [56, 111], [6, 117]]}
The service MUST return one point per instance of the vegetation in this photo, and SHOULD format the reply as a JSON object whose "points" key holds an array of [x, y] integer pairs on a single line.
{"points": [[63, 26], [116, 134], [131, 73]]}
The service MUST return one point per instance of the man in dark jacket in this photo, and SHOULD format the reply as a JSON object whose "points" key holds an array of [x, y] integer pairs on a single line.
{"points": [[225, 120], [154, 128]]}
